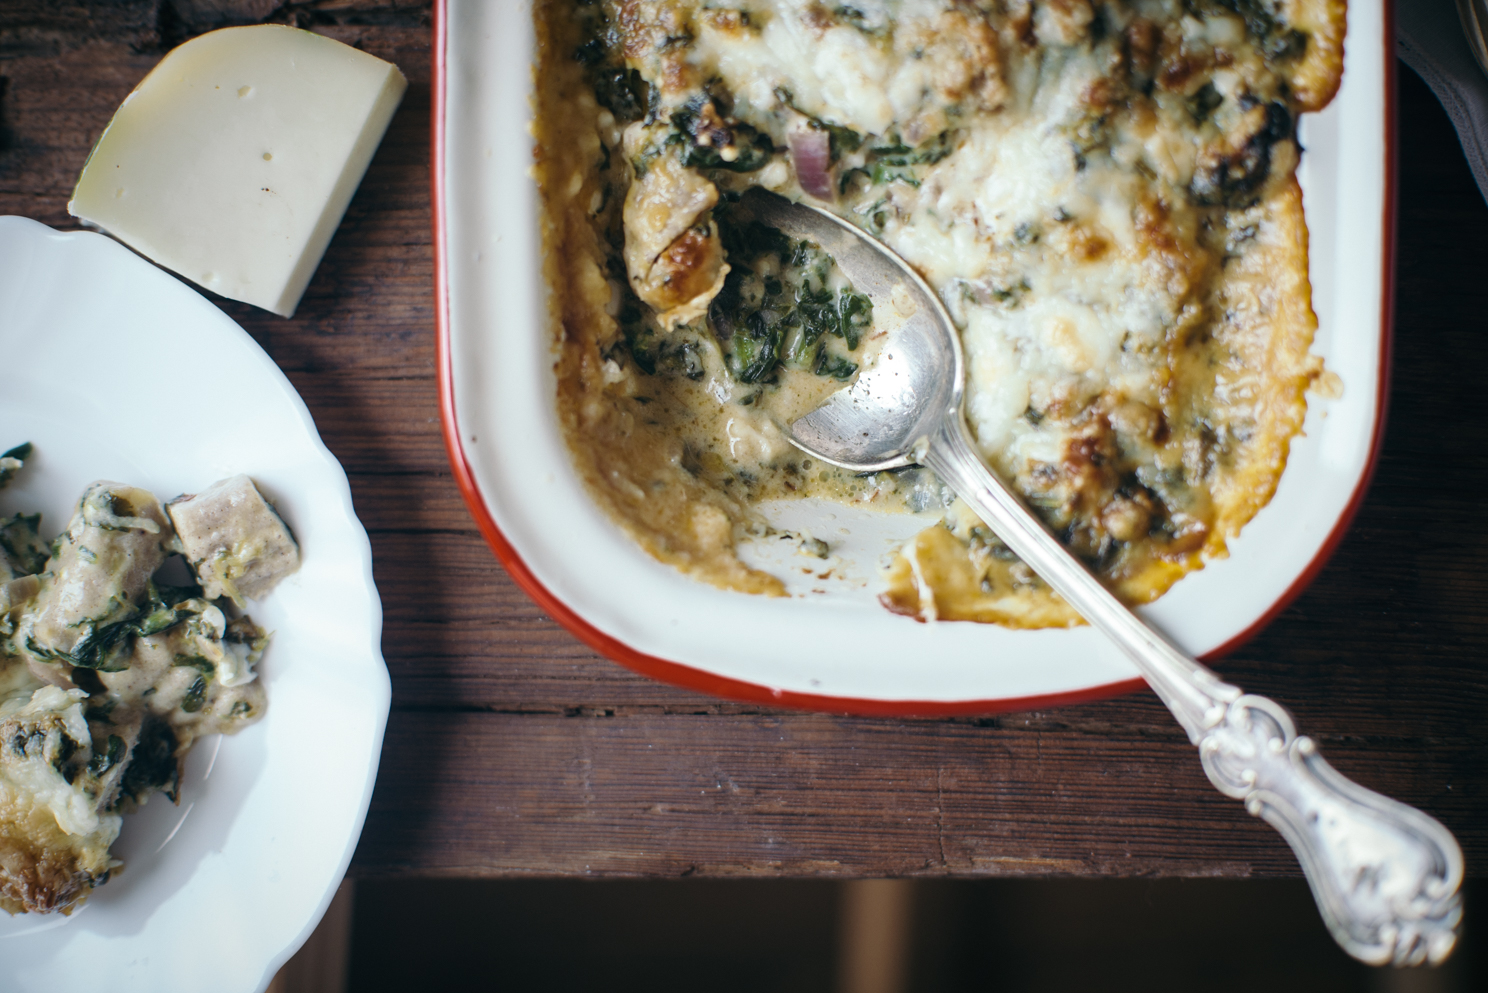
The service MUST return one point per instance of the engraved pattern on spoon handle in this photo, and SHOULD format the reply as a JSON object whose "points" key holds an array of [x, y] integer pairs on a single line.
{"points": [[1385, 875]]}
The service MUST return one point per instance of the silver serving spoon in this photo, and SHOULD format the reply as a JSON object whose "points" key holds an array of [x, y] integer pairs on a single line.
{"points": [[1385, 875]]}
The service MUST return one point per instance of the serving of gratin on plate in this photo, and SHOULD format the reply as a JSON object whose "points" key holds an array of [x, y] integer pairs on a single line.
{"points": [[109, 674], [126, 674], [1104, 196]]}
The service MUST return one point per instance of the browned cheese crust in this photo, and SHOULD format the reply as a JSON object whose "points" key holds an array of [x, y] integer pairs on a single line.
{"points": [[43, 868]]}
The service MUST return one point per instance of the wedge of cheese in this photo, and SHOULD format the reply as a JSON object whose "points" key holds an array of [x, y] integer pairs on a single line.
{"points": [[234, 160]]}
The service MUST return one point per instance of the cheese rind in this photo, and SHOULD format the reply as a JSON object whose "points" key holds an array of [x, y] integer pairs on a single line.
{"points": [[234, 160]]}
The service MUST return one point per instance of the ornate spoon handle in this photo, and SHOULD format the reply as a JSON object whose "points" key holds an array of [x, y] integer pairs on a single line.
{"points": [[1385, 876]]}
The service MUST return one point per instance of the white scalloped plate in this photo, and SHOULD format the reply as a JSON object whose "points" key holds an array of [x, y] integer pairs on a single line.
{"points": [[115, 369], [831, 645]]}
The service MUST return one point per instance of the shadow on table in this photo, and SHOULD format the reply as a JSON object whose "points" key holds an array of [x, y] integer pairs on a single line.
{"points": [[1035, 935]]}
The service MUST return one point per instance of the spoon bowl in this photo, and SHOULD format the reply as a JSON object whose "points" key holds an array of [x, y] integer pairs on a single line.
{"points": [[916, 382]]}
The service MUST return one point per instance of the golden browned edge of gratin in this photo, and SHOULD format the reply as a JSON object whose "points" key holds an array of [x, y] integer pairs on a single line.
{"points": [[42, 867], [1315, 79], [633, 468]]}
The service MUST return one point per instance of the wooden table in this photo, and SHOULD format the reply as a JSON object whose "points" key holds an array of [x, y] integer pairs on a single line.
{"points": [[513, 750]]}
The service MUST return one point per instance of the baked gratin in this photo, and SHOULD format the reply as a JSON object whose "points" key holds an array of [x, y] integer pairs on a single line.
{"points": [[1102, 193], [108, 675]]}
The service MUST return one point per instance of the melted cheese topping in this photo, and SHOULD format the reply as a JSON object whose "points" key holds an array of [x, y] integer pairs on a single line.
{"points": [[1102, 193]]}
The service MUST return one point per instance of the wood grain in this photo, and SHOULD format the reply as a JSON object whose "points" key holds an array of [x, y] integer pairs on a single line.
{"points": [[513, 750]]}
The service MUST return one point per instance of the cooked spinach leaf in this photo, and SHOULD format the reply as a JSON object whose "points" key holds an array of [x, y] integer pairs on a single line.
{"points": [[152, 764], [196, 696], [781, 302], [21, 547], [109, 757]]}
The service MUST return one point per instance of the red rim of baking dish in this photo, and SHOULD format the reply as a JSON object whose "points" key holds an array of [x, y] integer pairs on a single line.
{"points": [[691, 678]]}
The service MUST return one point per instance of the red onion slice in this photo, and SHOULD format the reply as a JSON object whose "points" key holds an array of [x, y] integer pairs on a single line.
{"points": [[811, 153]]}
